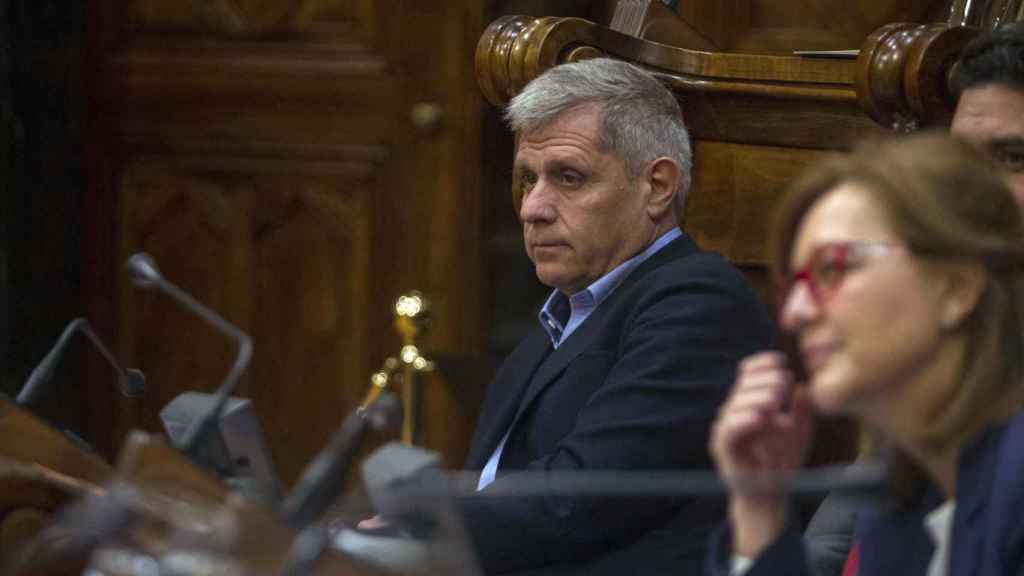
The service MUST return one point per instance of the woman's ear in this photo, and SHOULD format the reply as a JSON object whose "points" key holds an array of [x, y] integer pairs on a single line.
{"points": [[966, 282], [663, 175]]}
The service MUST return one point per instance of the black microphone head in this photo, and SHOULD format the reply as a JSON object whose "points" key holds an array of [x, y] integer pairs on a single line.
{"points": [[384, 413], [143, 271], [390, 468], [134, 382]]}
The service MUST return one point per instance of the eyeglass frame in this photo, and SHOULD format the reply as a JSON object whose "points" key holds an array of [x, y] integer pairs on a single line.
{"points": [[846, 248]]}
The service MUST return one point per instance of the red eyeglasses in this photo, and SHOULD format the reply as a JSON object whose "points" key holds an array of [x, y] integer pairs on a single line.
{"points": [[828, 264]]}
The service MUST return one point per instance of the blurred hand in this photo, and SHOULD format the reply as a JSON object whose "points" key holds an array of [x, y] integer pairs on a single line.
{"points": [[761, 434], [375, 523]]}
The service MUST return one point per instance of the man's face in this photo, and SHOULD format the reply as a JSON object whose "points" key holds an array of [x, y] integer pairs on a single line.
{"points": [[991, 117], [582, 215]]}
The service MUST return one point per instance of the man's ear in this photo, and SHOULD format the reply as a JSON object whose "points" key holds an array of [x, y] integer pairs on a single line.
{"points": [[965, 284], [663, 175]]}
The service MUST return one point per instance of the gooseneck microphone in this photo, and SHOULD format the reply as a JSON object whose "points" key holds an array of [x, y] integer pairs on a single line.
{"points": [[131, 381], [196, 443], [322, 479]]}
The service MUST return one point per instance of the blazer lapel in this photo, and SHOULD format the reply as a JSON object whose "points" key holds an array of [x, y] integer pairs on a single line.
{"points": [[582, 338], [508, 390], [555, 363], [975, 476]]}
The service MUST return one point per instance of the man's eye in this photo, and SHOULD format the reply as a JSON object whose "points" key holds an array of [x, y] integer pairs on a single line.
{"points": [[570, 178], [527, 182], [1010, 160]]}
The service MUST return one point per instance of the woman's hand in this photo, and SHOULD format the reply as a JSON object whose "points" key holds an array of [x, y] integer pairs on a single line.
{"points": [[761, 433]]}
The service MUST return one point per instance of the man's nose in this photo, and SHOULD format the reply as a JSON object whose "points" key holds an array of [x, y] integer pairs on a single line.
{"points": [[536, 204]]}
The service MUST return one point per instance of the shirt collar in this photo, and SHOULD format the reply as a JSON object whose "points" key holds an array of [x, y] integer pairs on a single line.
{"points": [[554, 316]]}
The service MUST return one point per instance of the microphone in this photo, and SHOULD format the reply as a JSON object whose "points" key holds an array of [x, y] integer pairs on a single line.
{"points": [[424, 532], [321, 480], [195, 442], [131, 381]]}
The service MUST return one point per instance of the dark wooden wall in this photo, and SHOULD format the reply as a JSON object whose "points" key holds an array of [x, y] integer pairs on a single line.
{"points": [[295, 165], [42, 110]]}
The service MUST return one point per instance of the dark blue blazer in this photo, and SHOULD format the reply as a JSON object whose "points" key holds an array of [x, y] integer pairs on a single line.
{"points": [[988, 524], [635, 387]]}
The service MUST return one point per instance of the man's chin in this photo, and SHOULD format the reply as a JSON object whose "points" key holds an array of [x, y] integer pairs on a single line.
{"points": [[554, 280]]}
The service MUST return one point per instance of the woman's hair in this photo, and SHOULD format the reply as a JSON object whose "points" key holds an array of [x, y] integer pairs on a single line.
{"points": [[946, 202]]}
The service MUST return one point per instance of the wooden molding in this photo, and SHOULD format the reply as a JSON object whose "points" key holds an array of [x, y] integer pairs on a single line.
{"points": [[903, 73], [239, 18], [515, 49], [27, 439]]}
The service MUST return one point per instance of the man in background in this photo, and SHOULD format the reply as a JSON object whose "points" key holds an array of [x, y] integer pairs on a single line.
{"points": [[989, 83]]}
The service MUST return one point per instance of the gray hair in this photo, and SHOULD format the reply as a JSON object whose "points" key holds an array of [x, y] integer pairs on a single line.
{"points": [[640, 118]]}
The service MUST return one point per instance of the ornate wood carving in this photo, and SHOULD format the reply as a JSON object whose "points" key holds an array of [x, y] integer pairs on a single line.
{"points": [[515, 49], [904, 69], [903, 79], [900, 78]]}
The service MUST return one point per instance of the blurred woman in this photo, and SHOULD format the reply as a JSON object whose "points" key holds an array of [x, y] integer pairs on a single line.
{"points": [[902, 279]]}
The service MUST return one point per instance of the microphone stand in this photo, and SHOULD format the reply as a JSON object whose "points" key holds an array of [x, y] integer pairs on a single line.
{"points": [[323, 479], [144, 273], [131, 381]]}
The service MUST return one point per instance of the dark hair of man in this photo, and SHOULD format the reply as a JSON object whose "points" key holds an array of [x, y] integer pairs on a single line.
{"points": [[995, 57]]}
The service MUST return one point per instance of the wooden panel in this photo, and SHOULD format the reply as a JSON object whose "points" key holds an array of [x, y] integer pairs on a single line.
{"points": [[312, 254], [770, 27], [736, 187], [242, 18], [194, 225], [284, 258], [773, 120], [296, 182]]}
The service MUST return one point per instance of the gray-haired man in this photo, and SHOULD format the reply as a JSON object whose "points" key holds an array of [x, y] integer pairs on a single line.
{"points": [[635, 347]]}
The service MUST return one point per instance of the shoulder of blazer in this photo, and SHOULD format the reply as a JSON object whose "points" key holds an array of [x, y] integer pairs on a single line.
{"points": [[683, 261], [678, 249]]}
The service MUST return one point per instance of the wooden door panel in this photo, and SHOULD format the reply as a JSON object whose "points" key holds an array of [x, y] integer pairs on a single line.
{"points": [[312, 254], [193, 226], [296, 176], [735, 187], [287, 259]]}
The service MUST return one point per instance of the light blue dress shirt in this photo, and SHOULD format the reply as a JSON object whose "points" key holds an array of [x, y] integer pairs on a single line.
{"points": [[562, 315]]}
